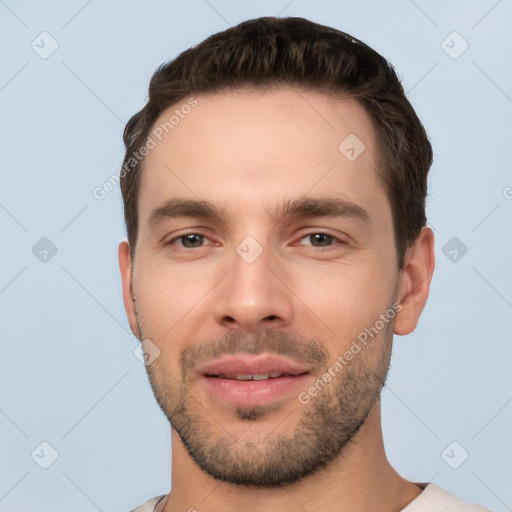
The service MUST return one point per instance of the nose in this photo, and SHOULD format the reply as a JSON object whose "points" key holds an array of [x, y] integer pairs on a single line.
{"points": [[254, 295]]}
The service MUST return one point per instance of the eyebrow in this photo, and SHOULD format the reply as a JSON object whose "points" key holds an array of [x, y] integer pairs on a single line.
{"points": [[184, 208], [302, 207], [321, 207]]}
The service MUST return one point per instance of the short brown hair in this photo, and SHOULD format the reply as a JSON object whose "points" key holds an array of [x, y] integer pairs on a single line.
{"points": [[266, 52]]}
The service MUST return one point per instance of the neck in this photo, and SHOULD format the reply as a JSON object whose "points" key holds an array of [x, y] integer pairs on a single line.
{"points": [[360, 479]]}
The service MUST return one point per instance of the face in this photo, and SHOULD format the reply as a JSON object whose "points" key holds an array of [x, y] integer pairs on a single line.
{"points": [[265, 257]]}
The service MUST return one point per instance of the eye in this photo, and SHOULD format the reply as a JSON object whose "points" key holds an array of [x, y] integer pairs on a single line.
{"points": [[189, 241], [320, 239]]}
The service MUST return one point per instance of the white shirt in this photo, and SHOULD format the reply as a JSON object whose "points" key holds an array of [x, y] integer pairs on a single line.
{"points": [[432, 499]]}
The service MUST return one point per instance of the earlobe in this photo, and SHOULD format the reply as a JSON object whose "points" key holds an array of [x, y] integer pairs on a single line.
{"points": [[414, 282], [126, 276]]}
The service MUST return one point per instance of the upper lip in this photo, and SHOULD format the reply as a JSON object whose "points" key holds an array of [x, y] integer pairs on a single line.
{"points": [[250, 364]]}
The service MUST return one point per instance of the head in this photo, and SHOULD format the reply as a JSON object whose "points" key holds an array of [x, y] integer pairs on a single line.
{"points": [[274, 193]]}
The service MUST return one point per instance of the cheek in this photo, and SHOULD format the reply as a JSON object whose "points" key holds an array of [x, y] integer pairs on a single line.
{"points": [[171, 299], [344, 298]]}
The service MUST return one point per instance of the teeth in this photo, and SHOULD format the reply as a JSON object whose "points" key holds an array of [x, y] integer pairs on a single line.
{"points": [[260, 376], [256, 376], [243, 377]]}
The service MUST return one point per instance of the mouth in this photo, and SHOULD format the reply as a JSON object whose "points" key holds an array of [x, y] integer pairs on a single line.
{"points": [[251, 380], [256, 376]]}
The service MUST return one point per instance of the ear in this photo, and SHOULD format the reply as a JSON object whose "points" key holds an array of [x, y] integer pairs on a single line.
{"points": [[414, 283], [125, 265]]}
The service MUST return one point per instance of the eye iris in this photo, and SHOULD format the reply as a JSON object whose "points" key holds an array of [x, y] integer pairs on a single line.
{"points": [[192, 240], [321, 238]]}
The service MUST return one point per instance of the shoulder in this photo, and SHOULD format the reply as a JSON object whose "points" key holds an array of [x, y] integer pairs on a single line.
{"points": [[150, 505], [437, 499]]}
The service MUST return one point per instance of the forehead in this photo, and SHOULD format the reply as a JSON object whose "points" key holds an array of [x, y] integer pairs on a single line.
{"points": [[239, 148]]}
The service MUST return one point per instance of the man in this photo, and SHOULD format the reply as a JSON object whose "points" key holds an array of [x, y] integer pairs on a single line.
{"points": [[274, 190]]}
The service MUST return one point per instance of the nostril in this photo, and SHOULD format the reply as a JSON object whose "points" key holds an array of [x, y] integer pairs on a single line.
{"points": [[271, 317]]}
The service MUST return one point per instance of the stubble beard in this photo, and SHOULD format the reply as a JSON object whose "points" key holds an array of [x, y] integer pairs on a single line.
{"points": [[326, 425]]}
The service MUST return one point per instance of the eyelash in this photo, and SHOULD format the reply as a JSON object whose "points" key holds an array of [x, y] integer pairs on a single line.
{"points": [[333, 238]]}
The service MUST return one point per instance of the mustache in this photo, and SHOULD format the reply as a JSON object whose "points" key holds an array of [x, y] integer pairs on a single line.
{"points": [[294, 346]]}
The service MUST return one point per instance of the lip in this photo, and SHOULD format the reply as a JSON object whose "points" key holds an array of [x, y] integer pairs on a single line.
{"points": [[250, 364], [252, 392]]}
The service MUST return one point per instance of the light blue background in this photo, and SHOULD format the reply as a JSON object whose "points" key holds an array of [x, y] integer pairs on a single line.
{"points": [[68, 373]]}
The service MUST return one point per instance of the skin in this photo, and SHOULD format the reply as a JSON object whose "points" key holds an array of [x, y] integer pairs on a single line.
{"points": [[247, 152]]}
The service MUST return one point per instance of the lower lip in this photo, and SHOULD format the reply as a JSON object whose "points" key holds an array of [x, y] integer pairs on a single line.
{"points": [[253, 392]]}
